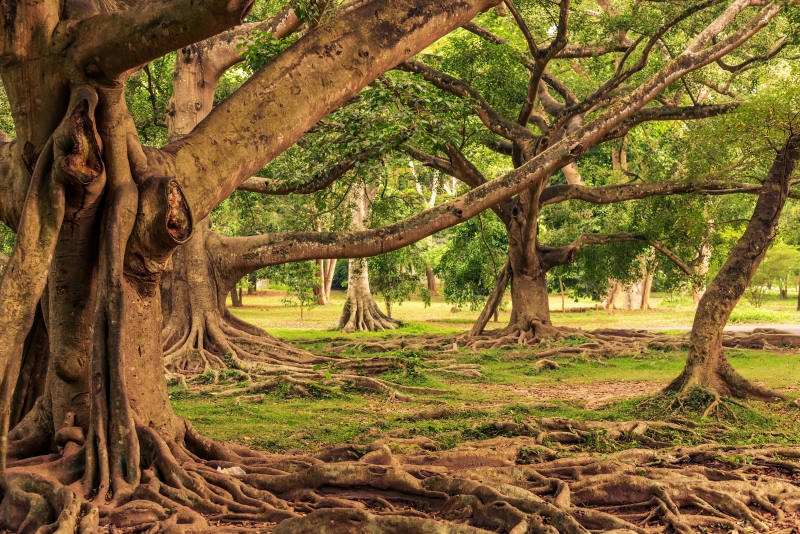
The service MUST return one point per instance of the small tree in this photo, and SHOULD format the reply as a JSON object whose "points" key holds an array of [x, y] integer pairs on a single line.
{"points": [[300, 279], [396, 276], [777, 268]]}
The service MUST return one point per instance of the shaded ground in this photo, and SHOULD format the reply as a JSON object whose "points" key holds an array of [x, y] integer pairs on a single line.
{"points": [[508, 385]]}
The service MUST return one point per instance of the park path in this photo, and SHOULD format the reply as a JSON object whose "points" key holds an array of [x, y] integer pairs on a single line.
{"points": [[747, 328]]}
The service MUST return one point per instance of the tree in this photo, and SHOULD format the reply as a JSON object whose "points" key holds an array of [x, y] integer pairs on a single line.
{"points": [[772, 127], [300, 280], [396, 276], [360, 311], [550, 91], [778, 268], [99, 216]]}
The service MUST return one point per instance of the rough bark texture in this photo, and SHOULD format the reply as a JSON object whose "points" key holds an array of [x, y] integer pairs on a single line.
{"points": [[707, 367]]}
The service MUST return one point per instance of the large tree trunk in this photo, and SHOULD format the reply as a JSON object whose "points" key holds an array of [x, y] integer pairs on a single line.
{"points": [[199, 332], [707, 367], [360, 311], [530, 301]]}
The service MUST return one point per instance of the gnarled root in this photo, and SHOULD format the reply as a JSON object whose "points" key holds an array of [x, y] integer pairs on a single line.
{"points": [[194, 484], [361, 314]]}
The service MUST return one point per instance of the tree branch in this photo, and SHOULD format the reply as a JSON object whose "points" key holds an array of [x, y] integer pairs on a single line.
{"points": [[483, 33], [610, 194], [288, 96], [109, 44], [670, 113], [553, 256], [322, 180], [490, 118]]}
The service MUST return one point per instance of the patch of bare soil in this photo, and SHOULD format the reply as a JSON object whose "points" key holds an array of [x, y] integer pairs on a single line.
{"points": [[594, 395]]}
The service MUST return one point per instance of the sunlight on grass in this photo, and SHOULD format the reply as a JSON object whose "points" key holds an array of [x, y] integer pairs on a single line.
{"points": [[267, 311]]}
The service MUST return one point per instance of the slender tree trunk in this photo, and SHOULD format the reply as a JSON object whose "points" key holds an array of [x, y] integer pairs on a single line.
{"points": [[329, 271], [647, 290], [563, 301], [431, 281], [360, 311], [493, 302], [706, 366], [252, 286], [319, 291], [236, 298], [798, 293]]}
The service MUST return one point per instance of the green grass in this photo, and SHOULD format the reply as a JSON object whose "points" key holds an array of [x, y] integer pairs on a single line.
{"points": [[267, 311], [511, 390]]}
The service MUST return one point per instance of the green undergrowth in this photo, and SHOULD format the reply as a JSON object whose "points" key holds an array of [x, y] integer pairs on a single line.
{"points": [[465, 409]]}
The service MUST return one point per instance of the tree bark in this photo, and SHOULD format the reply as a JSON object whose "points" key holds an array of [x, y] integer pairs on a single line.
{"points": [[236, 298], [701, 270], [707, 367], [431, 278], [360, 311], [493, 303]]}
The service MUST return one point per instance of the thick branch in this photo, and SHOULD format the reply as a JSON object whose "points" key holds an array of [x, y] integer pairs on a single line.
{"points": [[109, 44], [552, 256], [610, 194], [292, 93], [670, 113]]}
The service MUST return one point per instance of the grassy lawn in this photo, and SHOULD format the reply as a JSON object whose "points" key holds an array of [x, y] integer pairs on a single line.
{"points": [[467, 409], [510, 389], [267, 311]]}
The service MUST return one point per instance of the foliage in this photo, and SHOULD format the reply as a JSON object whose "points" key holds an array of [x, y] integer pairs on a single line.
{"points": [[777, 268], [472, 259], [7, 240], [300, 279], [261, 48], [396, 276]]}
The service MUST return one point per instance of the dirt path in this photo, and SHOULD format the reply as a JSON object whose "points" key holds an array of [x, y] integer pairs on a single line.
{"points": [[594, 395]]}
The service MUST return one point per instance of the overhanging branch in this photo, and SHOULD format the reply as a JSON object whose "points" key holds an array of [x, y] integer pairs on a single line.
{"points": [[109, 44], [324, 179], [317, 74]]}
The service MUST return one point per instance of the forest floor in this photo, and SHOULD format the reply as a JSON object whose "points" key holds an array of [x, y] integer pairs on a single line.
{"points": [[593, 424], [465, 409], [510, 388]]}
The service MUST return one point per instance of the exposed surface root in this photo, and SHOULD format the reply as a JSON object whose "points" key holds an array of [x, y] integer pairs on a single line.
{"points": [[214, 342], [508, 485]]}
